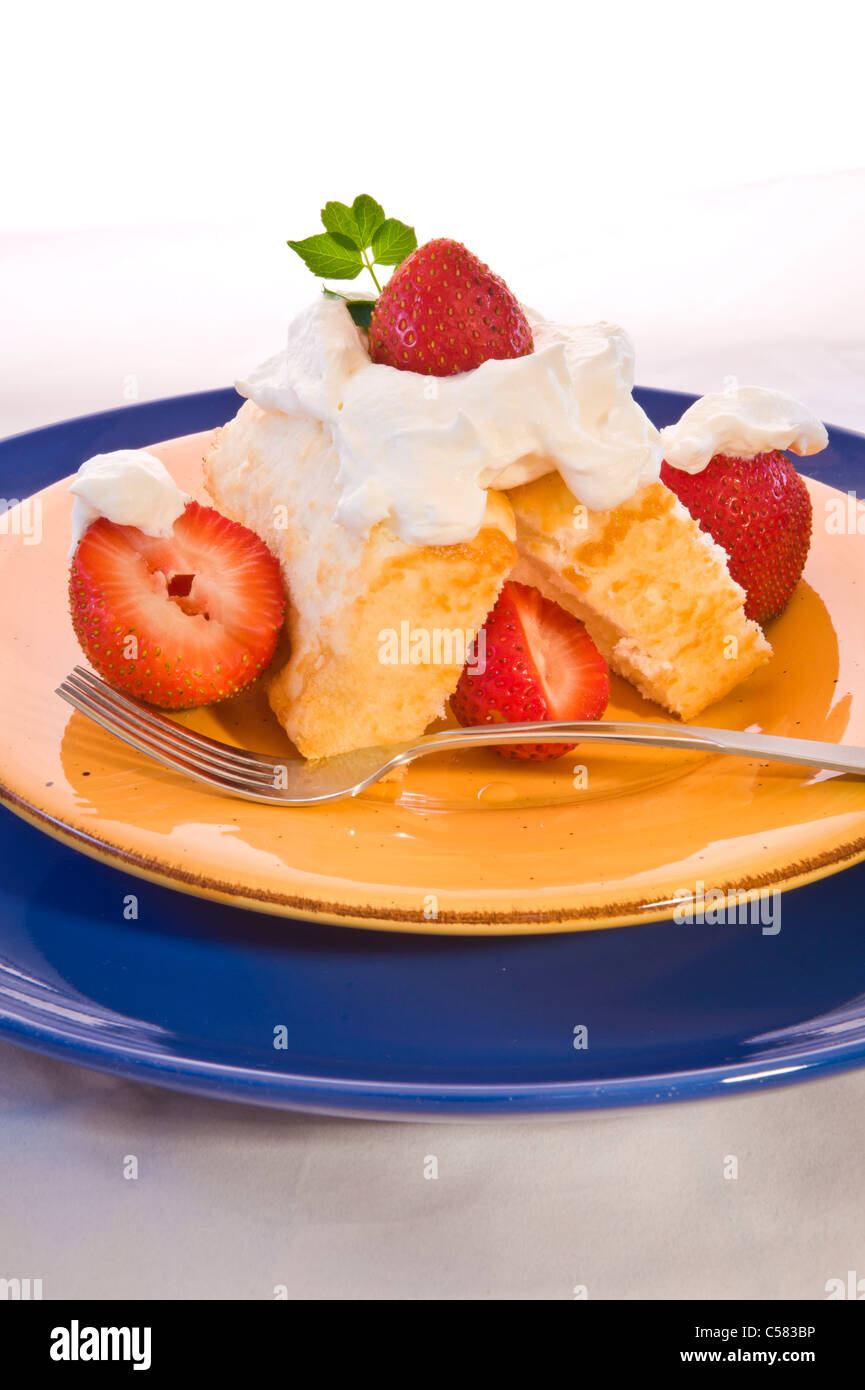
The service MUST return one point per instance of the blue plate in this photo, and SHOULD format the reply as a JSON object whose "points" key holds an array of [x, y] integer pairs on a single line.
{"points": [[194, 995]]}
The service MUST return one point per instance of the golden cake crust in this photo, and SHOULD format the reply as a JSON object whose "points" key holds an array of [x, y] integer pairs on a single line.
{"points": [[653, 590]]}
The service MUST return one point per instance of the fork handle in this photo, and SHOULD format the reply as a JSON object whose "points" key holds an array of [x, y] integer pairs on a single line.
{"points": [[834, 757]]}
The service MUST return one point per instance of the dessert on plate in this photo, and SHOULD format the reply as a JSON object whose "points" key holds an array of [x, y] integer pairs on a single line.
{"points": [[458, 499], [349, 588]]}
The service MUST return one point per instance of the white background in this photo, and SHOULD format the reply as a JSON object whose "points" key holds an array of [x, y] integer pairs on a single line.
{"points": [[156, 159], [691, 170]]}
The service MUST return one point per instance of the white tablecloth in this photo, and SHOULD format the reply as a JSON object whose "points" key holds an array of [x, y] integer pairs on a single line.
{"points": [[764, 283]]}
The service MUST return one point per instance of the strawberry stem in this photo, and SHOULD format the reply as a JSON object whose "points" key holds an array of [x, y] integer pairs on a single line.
{"points": [[368, 264]]}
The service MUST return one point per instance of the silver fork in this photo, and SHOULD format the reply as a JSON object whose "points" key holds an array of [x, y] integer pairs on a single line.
{"points": [[294, 782]]}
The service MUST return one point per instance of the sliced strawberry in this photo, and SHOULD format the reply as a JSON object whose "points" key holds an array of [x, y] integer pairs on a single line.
{"points": [[758, 510], [443, 311], [179, 622], [539, 664]]}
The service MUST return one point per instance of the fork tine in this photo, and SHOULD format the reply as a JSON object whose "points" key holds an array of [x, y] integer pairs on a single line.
{"points": [[176, 732], [170, 735], [171, 755], [229, 783], [102, 699], [152, 734], [231, 786]]}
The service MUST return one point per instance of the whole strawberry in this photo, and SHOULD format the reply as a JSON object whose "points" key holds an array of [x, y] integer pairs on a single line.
{"points": [[759, 510], [443, 311]]}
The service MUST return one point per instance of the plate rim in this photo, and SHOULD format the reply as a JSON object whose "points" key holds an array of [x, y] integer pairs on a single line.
{"points": [[503, 924], [349, 1097]]}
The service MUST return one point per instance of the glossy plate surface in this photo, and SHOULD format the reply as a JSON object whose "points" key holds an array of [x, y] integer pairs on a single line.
{"points": [[604, 838], [175, 989]]}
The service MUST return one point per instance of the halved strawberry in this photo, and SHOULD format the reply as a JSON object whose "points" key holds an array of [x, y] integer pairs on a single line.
{"points": [[540, 664], [179, 622]]}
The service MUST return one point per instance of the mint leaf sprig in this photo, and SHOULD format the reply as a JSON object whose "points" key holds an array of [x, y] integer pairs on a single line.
{"points": [[355, 238]]}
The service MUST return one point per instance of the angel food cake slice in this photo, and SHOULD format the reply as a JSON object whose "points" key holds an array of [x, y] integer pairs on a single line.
{"points": [[381, 494], [653, 590], [378, 629]]}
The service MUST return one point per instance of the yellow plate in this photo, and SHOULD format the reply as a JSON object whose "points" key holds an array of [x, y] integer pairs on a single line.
{"points": [[467, 843]]}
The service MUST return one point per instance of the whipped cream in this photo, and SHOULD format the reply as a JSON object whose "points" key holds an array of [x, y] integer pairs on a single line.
{"points": [[130, 487], [422, 450], [742, 422]]}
